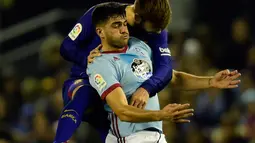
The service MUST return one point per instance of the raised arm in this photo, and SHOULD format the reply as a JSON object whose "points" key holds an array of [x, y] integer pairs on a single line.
{"points": [[73, 46]]}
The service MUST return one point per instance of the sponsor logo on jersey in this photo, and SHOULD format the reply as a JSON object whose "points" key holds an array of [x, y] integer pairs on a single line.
{"points": [[165, 51], [75, 31], [99, 81]]}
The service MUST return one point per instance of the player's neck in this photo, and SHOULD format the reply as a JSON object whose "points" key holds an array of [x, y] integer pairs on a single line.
{"points": [[106, 48]]}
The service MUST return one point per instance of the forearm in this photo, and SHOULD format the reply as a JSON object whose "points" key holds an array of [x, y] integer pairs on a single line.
{"points": [[117, 101], [162, 64], [185, 81], [136, 115], [155, 84]]}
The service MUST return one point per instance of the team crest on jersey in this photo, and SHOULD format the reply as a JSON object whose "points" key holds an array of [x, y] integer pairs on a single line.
{"points": [[141, 69], [99, 81], [75, 31]]}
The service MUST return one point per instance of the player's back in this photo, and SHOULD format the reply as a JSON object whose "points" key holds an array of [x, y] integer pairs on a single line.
{"points": [[132, 67]]}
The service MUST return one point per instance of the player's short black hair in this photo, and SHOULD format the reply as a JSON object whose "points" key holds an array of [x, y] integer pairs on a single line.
{"points": [[104, 11]]}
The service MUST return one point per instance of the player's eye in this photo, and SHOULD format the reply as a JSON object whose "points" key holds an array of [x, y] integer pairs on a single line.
{"points": [[115, 25]]}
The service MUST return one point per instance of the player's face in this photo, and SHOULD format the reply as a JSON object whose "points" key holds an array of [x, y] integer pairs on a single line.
{"points": [[116, 32]]}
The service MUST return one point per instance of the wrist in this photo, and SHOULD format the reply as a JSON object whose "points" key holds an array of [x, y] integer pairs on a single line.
{"points": [[147, 87], [160, 115], [210, 82]]}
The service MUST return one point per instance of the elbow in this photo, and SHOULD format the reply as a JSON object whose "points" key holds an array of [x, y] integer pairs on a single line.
{"points": [[124, 118], [63, 50], [177, 82]]}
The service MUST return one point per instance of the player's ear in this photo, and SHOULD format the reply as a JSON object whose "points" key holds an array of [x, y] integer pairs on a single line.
{"points": [[99, 32], [138, 18]]}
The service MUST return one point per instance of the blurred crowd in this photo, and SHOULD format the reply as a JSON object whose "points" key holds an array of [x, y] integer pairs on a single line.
{"points": [[211, 37]]}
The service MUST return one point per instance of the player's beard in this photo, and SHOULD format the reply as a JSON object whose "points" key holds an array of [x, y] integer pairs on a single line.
{"points": [[117, 42]]}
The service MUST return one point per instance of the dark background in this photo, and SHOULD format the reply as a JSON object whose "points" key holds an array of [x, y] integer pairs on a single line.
{"points": [[204, 37]]}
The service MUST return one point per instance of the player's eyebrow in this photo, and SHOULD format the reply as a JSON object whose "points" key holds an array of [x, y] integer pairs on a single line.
{"points": [[117, 22]]}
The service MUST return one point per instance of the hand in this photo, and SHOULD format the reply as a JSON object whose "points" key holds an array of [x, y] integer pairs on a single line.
{"points": [[177, 113], [94, 53], [140, 98], [225, 79]]}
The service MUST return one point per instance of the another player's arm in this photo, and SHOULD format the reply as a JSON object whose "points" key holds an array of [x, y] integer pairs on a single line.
{"points": [[184, 81], [116, 99], [71, 48], [222, 79], [162, 63], [103, 76]]}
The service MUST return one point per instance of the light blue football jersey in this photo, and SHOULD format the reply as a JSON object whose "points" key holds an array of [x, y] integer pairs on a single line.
{"points": [[128, 69]]}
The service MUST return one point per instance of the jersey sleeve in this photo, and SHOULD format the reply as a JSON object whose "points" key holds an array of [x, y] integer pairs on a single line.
{"points": [[103, 76], [162, 63], [82, 32]]}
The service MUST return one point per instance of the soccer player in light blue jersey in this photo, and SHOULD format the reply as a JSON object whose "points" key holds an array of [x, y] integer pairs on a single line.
{"points": [[125, 64]]}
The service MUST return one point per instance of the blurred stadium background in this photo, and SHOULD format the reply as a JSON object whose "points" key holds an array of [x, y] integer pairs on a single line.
{"points": [[204, 37]]}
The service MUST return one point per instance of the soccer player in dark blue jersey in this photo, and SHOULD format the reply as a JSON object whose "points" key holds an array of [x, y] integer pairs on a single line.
{"points": [[146, 20], [79, 96]]}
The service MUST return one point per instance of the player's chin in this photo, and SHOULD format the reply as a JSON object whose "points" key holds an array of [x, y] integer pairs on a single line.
{"points": [[124, 42]]}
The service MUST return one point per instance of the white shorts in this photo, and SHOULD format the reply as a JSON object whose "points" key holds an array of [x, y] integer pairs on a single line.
{"points": [[139, 137]]}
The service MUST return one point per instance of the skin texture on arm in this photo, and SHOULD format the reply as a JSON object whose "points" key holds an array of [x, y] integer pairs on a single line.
{"points": [[104, 78], [222, 79], [118, 103]]}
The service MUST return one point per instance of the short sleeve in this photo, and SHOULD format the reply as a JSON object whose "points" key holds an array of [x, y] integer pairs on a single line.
{"points": [[103, 76]]}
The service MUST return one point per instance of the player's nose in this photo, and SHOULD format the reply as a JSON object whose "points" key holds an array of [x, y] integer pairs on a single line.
{"points": [[124, 30]]}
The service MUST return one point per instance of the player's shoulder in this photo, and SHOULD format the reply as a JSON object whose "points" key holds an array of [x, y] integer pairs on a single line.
{"points": [[135, 42], [103, 61]]}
